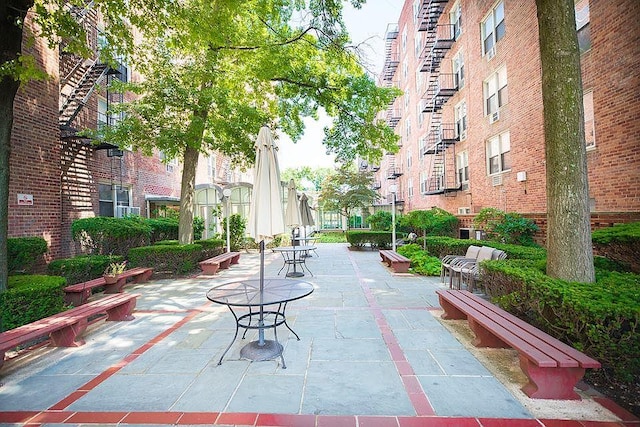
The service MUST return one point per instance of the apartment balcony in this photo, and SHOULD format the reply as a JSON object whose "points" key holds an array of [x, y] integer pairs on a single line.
{"points": [[441, 137], [376, 185], [393, 117], [439, 91], [394, 172], [430, 11]]}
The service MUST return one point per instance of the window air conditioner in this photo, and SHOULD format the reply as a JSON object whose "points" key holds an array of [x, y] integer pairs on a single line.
{"points": [[491, 53], [463, 135], [122, 211], [494, 117], [496, 180]]}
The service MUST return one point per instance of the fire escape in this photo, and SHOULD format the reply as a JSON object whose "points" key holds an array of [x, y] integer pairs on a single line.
{"points": [[391, 61], [441, 173]]}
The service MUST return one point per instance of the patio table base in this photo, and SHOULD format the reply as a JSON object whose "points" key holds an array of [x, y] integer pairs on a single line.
{"points": [[258, 353]]}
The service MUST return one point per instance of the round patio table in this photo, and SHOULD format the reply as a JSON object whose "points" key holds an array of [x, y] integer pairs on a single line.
{"points": [[267, 305]]}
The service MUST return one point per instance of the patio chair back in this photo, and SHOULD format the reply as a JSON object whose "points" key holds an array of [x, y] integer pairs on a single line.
{"points": [[498, 254], [472, 251], [485, 253]]}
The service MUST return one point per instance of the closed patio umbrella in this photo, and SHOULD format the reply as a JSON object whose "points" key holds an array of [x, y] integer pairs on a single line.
{"points": [[266, 220], [305, 212], [292, 217]]}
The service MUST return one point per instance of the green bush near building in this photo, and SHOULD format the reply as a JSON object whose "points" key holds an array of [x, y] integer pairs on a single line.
{"points": [[24, 253], [166, 259], [29, 298], [82, 268], [620, 243], [375, 239]]}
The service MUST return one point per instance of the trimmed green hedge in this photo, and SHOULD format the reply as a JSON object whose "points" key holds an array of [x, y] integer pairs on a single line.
{"points": [[82, 268], [178, 259], [421, 262], [441, 246], [620, 243], [110, 236], [29, 298], [24, 253], [376, 239], [600, 319]]}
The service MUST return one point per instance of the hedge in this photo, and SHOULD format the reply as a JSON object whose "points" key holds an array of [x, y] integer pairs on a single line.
{"points": [[110, 236], [620, 243], [440, 246], [24, 253], [82, 268], [177, 259], [376, 239], [29, 298], [601, 319]]}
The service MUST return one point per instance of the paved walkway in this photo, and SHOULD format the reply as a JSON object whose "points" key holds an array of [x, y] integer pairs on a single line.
{"points": [[373, 352]]}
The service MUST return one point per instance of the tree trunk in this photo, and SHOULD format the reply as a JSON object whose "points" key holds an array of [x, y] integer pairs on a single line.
{"points": [[187, 195], [11, 13], [569, 250]]}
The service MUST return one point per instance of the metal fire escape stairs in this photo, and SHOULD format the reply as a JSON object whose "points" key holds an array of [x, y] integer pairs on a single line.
{"points": [[440, 144], [391, 62]]}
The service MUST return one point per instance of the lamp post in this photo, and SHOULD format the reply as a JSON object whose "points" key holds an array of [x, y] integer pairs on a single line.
{"points": [[392, 189], [226, 193]]}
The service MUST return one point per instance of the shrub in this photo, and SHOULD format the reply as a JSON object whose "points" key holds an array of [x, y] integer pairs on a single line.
{"points": [[441, 246], [82, 268], [29, 298], [421, 262], [601, 319], [331, 237], [163, 229], [380, 221], [237, 231], [620, 243], [106, 235], [380, 239], [198, 227], [24, 253], [176, 259], [505, 227], [432, 222]]}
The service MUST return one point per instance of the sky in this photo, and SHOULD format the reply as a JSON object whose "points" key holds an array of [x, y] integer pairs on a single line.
{"points": [[367, 27]]}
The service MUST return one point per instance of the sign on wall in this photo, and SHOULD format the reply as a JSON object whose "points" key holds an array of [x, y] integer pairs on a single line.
{"points": [[25, 199]]}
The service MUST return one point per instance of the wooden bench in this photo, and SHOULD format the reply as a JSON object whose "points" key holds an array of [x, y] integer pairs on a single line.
{"points": [[552, 367], [399, 263], [212, 265], [65, 329], [79, 293]]}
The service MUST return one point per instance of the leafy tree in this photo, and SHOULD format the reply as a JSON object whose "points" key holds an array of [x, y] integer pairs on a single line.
{"points": [[347, 189], [306, 178], [569, 251], [380, 221], [432, 222], [226, 68]]}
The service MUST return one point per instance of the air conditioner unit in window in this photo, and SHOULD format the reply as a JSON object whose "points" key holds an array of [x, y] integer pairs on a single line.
{"points": [[463, 135], [494, 117], [122, 211], [491, 53], [496, 180]]}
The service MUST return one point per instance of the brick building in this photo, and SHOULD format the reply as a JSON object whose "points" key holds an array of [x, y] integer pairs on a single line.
{"points": [[471, 116], [56, 174]]}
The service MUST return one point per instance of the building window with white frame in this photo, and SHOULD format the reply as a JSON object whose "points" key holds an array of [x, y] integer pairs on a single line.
{"points": [[404, 39], [495, 91], [462, 166], [589, 120], [170, 164], [407, 128], [460, 117], [423, 182], [410, 187], [407, 99], [499, 154], [458, 69], [422, 142], [420, 115], [405, 70], [211, 168], [110, 193], [417, 5], [582, 25], [493, 29], [455, 17], [409, 159], [418, 44]]}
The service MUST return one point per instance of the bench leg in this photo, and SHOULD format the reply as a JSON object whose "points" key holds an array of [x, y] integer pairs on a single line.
{"points": [[143, 277], [485, 338], [209, 269], [401, 267], [115, 288], [235, 259], [122, 311], [77, 298], [226, 263], [450, 311], [550, 383], [66, 337]]}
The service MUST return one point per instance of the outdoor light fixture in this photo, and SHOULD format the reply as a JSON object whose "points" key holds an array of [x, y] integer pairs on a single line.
{"points": [[393, 189], [226, 193]]}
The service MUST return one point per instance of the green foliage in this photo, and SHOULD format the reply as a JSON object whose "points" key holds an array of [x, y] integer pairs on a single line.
{"points": [[173, 259], [375, 239], [505, 227], [601, 319], [421, 262], [331, 237], [107, 235], [163, 228], [82, 268], [432, 222], [306, 178], [347, 189], [198, 227], [380, 221], [166, 242], [24, 253], [620, 243], [441, 246], [237, 231], [30, 298]]}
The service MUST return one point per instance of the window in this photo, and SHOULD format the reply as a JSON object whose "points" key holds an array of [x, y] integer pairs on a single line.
{"points": [[495, 91], [589, 120], [416, 10], [405, 70], [423, 182], [211, 168], [582, 25], [170, 164], [407, 99], [462, 166], [419, 80], [421, 144], [407, 127], [418, 44], [499, 154], [493, 28], [106, 195], [420, 115], [455, 17], [458, 69], [410, 187], [102, 113], [409, 159], [404, 39], [460, 115]]}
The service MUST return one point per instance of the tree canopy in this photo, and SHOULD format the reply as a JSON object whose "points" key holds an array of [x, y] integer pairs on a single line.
{"points": [[347, 189]]}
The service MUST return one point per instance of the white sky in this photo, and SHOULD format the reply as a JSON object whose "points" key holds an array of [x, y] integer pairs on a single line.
{"points": [[367, 27]]}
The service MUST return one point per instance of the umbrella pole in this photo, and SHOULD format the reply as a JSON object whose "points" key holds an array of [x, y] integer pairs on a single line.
{"points": [[261, 321]]}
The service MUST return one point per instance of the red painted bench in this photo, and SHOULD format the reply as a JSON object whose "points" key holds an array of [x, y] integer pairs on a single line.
{"points": [[399, 263], [212, 265], [552, 367], [79, 293], [65, 329]]}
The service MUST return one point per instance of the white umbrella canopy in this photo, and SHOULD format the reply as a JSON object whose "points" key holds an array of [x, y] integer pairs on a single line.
{"points": [[266, 216], [305, 211], [292, 216]]}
